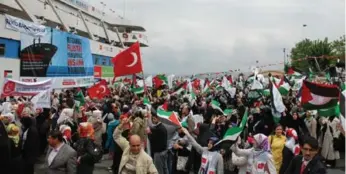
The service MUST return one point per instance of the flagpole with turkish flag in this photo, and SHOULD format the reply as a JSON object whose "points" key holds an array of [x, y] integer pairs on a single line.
{"points": [[128, 62]]}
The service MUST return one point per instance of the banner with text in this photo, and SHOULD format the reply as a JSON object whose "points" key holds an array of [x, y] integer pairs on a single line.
{"points": [[63, 82], [23, 26], [16, 88]]}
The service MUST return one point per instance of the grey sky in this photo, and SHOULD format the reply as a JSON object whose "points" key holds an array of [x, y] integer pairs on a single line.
{"points": [[196, 36]]}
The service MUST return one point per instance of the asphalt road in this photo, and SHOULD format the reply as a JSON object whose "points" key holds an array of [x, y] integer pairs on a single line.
{"points": [[101, 168]]}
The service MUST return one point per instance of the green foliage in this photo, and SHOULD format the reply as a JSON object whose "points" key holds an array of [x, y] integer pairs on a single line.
{"points": [[316, 48]]}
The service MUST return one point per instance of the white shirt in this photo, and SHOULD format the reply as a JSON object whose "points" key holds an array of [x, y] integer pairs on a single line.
{"points": [[53, 154]]}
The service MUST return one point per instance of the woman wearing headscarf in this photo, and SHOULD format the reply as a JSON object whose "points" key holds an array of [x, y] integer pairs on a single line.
{"points": [[98, 125], [297, 123], [329, 135], [311, 124], [43, 127], [5, 155], [139, 126], [260, 160], [84, 147], [13, 135], [239, 161], [211, 161], [290, 150], [277, 143], [204, 133]]}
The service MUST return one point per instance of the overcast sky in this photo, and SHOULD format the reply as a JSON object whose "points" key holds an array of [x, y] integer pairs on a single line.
{"points": [[196, 36]]}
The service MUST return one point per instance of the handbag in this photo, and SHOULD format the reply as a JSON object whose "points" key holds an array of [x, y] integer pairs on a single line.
{"points": [[181, 162]]}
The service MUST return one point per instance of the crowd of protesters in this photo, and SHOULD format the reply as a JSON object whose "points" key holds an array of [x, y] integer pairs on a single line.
{"points": [[139, 141]]}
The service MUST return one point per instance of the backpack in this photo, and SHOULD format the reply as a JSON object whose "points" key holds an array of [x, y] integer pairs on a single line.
{"points": [[95, 151]]}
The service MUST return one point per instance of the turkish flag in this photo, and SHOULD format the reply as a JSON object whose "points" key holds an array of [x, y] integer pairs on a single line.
{"points": [[99, 90], [128, 61]]}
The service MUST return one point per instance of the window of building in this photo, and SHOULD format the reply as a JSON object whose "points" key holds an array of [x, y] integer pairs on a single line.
{"points": [[96, 59], [2, 49], [104, 61]]}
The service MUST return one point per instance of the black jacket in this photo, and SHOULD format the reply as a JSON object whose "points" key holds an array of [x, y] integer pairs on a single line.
{"points": [[31, 149], [315, 166], [158, 138], [5, 154]]}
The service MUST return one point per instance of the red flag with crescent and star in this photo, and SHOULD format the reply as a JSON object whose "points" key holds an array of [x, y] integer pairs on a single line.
{"points": [[128, 61], [99, 90]]}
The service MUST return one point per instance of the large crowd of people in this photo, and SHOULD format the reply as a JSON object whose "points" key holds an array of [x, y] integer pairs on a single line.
{"points": [[123, 127]]}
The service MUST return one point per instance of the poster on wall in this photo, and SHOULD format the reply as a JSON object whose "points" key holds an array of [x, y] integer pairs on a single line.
{"points": [[36, 54], [58, 55]]}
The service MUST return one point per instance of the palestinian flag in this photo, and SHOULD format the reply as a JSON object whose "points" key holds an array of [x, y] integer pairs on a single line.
{"points": [[164, 106], [266, 92], [206, 88], [277, 105], [80, 98], [251, 78], [228, 111], [319, 96], [138, 90], [283, 86], [168, 117], [216, 105], [192, 97], [233, 133], [179, 89], [79, 101], [160, 80], [295, 73], [146, 102], [328, 111], [342, 108]]}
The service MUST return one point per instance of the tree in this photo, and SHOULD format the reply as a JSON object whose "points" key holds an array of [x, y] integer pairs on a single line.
{"points": [[339, 46], [316, 48]]}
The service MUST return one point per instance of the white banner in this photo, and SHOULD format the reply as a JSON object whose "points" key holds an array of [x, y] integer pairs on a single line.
{"points": [[16, 88], [23, 26], [63, 82], [42, 99]]}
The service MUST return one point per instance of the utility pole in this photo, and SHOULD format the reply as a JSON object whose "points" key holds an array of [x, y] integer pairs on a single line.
{"points": [[284, 50]]}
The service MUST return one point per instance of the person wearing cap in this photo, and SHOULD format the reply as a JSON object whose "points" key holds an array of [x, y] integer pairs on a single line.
{"points": [[211, 161]]}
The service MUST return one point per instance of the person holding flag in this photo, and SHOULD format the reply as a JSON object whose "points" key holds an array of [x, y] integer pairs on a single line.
{"points": [[211, 162], [260, 159]]}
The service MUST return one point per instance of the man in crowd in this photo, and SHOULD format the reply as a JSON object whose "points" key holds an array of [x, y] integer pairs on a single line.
{"points": [[134, 160], [309, 162], [158, 144], [61, 158]]}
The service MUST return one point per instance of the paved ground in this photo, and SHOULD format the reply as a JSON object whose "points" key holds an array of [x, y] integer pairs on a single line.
{"points": [[101, 168]]}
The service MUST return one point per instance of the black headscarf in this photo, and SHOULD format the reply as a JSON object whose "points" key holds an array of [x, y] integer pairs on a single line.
{"points": [[204, 135]]}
